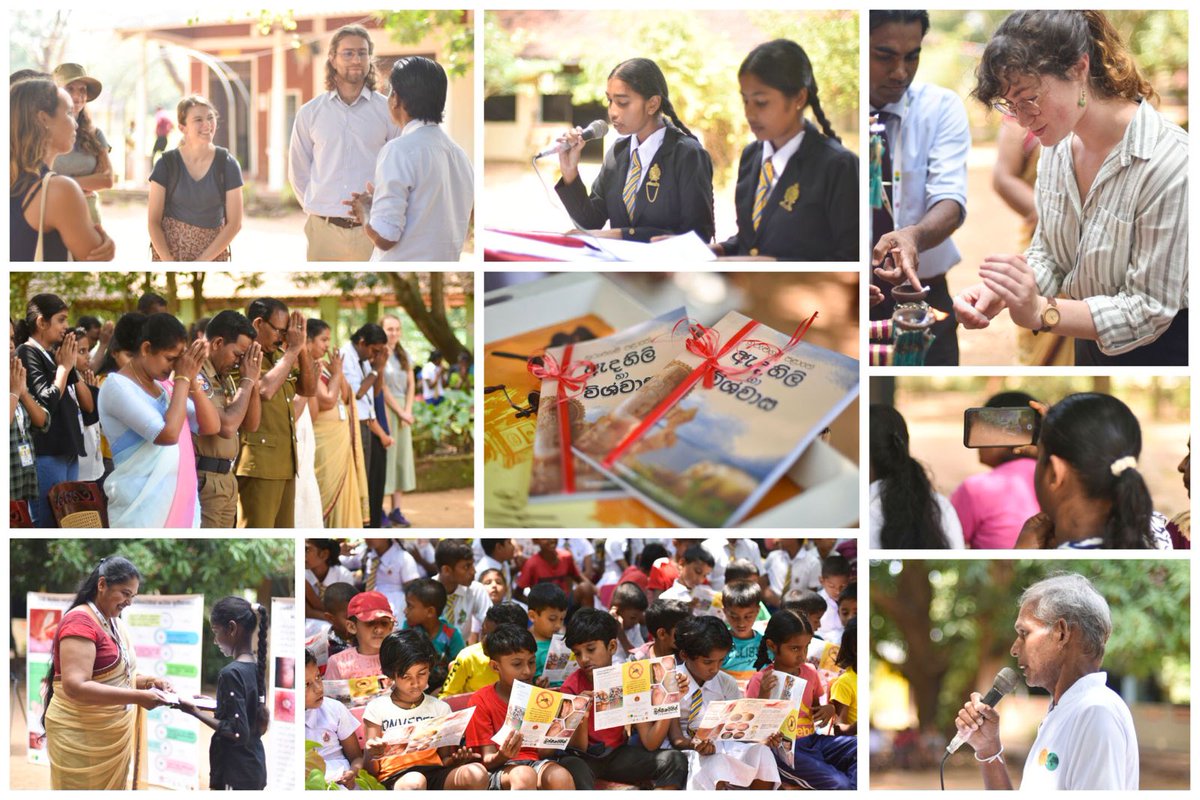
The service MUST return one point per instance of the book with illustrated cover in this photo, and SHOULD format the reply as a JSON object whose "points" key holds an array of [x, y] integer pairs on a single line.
{"points": [[719, 424], [595, 377]]}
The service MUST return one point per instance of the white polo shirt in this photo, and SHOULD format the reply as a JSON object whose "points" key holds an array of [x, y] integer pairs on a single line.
{"points": [[1087, 741]]}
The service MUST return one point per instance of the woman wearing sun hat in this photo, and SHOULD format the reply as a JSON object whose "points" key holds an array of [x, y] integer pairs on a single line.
{"points": [[88, 162]]}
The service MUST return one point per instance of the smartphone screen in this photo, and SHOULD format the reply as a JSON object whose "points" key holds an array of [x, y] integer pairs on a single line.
{"points": [[999, 427]]}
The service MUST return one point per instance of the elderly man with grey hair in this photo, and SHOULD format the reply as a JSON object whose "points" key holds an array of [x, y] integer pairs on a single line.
{"points": [[1087, 739]]}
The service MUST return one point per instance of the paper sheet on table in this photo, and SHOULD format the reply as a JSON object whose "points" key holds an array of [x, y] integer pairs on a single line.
{"points": [[535, 248], [685, 248]]}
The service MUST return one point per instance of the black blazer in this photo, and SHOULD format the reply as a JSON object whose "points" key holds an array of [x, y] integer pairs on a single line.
{"points": [[65, 437], [680, 200], [812, 213]]}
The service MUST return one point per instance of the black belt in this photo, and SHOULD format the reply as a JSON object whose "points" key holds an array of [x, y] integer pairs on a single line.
{"points": [[221, 466], [342, 222]]}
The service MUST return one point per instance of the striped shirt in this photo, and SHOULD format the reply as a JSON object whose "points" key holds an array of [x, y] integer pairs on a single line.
{"points": [[1124, 250]]}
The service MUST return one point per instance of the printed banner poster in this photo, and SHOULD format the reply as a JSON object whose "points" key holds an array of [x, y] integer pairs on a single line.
{"points": [[636, 691], [165, 636], [546, 719], [281, 699]]}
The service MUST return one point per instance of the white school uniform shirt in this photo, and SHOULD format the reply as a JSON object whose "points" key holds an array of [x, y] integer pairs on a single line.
{"points": [[737, 763], [830, 621], [779, 158], [646, 151], [471, 605], [934, 141], [579, 547], [804, 569], [677, 591], [483, 563], [327, 725], [336, 574], [424, 192], [396, 568], [1086, 741], [719, 548], [636, 640], [356, 371], [334, 147]]}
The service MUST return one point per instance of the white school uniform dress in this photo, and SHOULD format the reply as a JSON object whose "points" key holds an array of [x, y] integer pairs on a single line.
{"points": [[395, 568], [327, 725], [1086, 741], [336, 574], [830, 621], [736, 763], [785, 574]]}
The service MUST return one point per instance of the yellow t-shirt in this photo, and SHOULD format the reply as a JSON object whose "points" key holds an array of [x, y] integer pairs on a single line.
{"points": [[469, 672], [845, 691]]}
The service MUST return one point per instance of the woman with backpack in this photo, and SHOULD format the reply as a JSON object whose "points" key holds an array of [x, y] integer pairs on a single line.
{"points": [[195, 192]]}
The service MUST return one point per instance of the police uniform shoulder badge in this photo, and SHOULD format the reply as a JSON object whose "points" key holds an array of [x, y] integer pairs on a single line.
{"points": [[790, 196]]}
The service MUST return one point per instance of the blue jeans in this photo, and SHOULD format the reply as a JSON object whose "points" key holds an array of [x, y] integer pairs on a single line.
{"points": [[824, 762], [52, 470]]}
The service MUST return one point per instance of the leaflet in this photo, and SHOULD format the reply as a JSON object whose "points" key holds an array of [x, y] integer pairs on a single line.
{"points": [[742, 720], [791, 688], [429, 734], [636, 691], [545, 718], [560, 661], [357, 691]]}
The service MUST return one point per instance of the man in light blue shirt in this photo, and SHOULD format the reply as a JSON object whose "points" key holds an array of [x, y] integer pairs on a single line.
{"points": [[335, 141], [419, 206], [927, 140]]}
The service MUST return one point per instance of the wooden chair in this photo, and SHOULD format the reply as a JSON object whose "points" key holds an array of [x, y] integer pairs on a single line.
{"points": [[78, 504], [18, 514]]}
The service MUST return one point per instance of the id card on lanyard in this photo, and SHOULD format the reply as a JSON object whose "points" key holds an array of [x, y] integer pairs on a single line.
{"points": [[24, 449], [898, 161]]}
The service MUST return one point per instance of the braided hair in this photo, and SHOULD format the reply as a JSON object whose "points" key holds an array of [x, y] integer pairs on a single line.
{"points": [[782, 64], [645, 78], [783, 625], [247, 617]]}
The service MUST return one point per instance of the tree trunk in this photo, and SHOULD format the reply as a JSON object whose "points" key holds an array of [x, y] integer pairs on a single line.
{"points": [[173, 291], [431, 320], [198, 292]]}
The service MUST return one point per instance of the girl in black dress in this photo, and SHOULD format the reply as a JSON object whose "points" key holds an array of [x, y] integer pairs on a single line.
{"points": [[665, 189], [797, 187], [235, 754]]}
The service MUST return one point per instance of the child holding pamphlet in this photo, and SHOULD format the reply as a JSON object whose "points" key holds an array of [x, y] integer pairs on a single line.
{"points": [[547, 608], [629, 607], [703, 644], [661, 618], [818, 762], [471, 669], [512, 653], [740, 602], [424, 603], [407, 658], [698, 563], [331, 725]]}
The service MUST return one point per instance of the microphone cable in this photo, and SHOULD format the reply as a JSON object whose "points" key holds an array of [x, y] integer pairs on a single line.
{"points": [[942, 770]]}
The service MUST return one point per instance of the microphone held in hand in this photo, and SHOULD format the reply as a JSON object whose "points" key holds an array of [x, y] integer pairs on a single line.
{"points": [[596, 130], [1006, 679]]}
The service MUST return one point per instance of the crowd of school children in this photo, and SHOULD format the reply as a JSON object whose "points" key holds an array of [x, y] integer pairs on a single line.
{"points": [[452, 624]]}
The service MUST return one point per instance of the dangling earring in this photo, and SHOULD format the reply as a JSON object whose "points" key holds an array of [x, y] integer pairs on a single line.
{"points": [[1083, 97]]}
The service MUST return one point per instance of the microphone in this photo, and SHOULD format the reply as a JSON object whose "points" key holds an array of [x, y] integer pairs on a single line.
{"points": [[1006, 679], [596, 130]]}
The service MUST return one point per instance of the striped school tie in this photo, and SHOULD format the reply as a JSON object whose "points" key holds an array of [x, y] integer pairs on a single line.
{"points": [[694, 710], [372, 573], [451, 602], [765, 176], [631, 183]]}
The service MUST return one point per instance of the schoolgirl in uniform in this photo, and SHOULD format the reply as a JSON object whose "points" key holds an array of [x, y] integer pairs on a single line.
{"points": [[657, 180], [797, 187]]}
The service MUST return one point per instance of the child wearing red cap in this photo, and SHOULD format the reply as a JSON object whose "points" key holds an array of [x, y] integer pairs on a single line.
{"points": [[371, 620]]}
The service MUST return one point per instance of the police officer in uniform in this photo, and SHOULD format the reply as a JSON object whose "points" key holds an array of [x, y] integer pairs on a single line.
{"points": [[266, 469], [230, 343]]}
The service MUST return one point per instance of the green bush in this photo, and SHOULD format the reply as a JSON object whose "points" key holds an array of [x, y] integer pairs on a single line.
{"points": [[445, 428]]}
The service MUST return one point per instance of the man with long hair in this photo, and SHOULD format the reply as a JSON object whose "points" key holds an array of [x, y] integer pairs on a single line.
{"points": [[335, 140]]}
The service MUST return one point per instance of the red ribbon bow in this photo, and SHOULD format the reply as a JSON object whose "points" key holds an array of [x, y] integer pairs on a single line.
{"points": [[572, 376], [706, 343]]}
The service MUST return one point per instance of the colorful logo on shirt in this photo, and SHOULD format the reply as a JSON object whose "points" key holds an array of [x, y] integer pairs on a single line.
{"points": [[1048, 760], [204, 384]]}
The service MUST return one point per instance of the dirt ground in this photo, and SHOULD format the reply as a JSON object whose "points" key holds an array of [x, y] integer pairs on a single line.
{"points": [[454, 508], [23, 775]]}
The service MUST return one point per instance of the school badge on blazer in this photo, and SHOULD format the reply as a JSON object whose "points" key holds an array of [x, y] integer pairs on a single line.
{"points": [[652, 182], [790, 196]]}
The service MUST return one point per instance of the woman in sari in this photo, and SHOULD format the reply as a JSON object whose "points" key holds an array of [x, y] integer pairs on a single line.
{"points": [[341, 470], [153, 484], [93, 684]]}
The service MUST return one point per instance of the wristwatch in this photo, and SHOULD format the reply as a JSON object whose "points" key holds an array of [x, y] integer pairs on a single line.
{"points": [[1050, 316]]}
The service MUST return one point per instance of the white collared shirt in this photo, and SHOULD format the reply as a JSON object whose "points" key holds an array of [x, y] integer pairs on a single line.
{"points": [[1086, 741], [1123, 248], [933, 140], [646, 151], [804, 570], [780, 158], [356, 371], [424, 192], [334, 147]]}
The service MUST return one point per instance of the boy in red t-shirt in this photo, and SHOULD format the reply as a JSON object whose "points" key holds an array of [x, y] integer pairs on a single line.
{"points": [[555, 564], [592, 637], [512, 651]]}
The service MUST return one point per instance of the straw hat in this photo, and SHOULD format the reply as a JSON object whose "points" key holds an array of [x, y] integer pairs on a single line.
{"points": [[68, 73]]}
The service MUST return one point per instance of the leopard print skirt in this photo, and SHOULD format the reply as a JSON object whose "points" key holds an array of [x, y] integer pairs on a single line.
{"points": [[187, 241]]}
